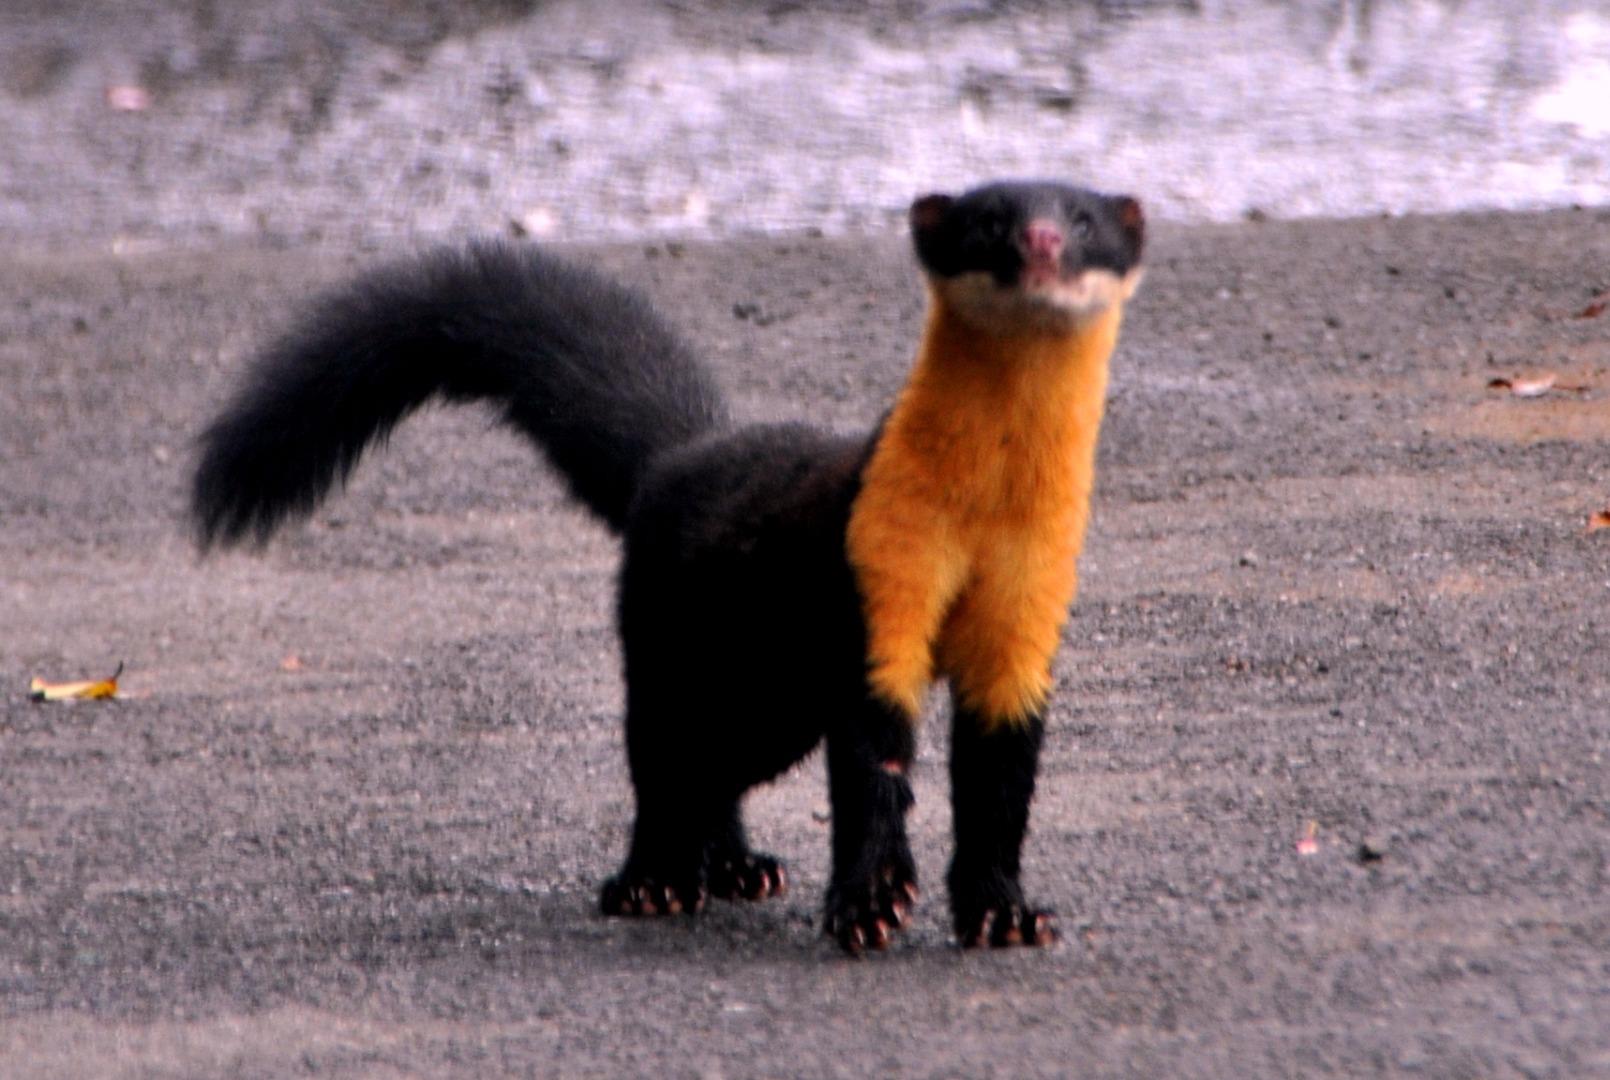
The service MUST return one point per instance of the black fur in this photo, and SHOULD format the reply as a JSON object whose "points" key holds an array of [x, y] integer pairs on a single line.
{"points": [[586, 368], [975, 231], [744, 645], [992, 783], [738, 613]]}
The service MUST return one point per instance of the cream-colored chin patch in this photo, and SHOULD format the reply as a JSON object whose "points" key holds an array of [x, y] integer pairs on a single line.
{"points": [[1057, 307]]}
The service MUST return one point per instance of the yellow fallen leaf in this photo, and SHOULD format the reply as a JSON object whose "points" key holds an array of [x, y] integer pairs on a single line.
{"points": [[40, 690]]}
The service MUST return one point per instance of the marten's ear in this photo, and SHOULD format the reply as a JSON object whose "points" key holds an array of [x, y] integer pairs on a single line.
{"points": [[928, 211], [931, 234], [1132, 219]]}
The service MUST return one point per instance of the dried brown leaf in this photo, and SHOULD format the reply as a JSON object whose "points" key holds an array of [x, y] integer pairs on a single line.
{"points": [[81, 689], [1535, 385]]}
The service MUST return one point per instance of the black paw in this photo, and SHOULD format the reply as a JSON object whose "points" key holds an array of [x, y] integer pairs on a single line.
{"points": [[638, 895], [989, 909], [1009, 924], [863, 916], [752, 876]]}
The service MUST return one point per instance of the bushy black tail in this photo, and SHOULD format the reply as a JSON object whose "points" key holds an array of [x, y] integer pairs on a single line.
{"points": [[584, 367]]}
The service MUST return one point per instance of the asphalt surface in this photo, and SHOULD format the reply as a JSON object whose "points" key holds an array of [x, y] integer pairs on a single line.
{"points": [[1325, 790]]}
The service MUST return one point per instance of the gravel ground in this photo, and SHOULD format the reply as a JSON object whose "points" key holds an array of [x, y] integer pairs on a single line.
{"points": [[350, 814]]}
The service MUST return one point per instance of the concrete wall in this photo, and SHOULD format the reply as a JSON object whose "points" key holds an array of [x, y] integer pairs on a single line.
{"points": [[385, 119]]}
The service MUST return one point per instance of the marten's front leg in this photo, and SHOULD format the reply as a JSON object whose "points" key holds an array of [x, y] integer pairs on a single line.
{"points": [[909, 568], [992, 770], [996, 648], [874, 876]]}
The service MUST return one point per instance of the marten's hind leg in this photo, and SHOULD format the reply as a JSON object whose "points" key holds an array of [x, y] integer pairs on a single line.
{"points": [[665, 871], [688, 840], [736, 872], [692, 757], [684, 852]]}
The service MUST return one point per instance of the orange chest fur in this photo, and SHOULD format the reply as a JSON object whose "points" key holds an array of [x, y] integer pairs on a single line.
{"points": [[993, 440], [972, 510]]}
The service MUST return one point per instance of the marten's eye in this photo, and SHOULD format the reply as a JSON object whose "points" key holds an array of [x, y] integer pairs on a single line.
{"points": [[989, 230], [1082, 225]]}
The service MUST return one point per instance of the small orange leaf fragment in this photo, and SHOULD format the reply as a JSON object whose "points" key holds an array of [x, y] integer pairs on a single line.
{"points": [[83, 689], [1599, 520]]}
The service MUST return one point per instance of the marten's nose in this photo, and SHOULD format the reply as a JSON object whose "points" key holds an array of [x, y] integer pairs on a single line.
{"points": [[1043, 239]]}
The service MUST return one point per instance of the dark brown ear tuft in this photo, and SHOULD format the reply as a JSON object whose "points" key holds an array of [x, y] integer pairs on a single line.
{"points": [[1132, 218], [928, 211]]}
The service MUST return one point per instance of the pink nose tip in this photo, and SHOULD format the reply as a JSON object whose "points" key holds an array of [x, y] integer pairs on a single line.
{"points": [[1044, 240]]}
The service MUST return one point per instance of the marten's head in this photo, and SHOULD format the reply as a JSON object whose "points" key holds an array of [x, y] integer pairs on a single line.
{"points": [[1029, 258]]}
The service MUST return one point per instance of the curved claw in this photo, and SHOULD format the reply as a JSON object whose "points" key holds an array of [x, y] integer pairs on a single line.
{"points": [[867, 917], [645, 897], [1006, 927], [751, 877]]}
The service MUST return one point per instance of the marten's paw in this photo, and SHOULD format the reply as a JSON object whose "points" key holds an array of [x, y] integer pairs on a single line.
{"points": [[864, 915], [992, 912], [750, 876], [1003, 926], [638, 895]]}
